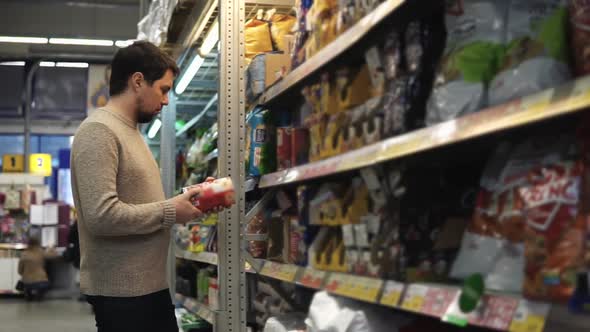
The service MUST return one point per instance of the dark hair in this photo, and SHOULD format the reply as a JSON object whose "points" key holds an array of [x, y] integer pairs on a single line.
{"points": [[143, 57], [33, 242]]}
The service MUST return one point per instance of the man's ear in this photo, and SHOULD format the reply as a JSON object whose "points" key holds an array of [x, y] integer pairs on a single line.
{"points": [[137, 80]]}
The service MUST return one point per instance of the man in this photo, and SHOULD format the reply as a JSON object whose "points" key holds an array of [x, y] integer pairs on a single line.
{"points": [[124, 219]]}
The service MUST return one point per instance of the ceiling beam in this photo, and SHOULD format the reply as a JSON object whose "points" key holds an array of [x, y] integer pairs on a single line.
{"points": [[203, 84]]}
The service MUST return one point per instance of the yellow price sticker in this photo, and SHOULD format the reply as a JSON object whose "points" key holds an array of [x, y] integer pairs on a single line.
{"points": [[414, 298], [13, 163], [282, 272], [364, 288], [529, 317], [40, 164], [537, 103], [580, 96], [392, 293], [312, 278]]}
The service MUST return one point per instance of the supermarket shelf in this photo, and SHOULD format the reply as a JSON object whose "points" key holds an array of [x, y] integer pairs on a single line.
{"points": [[203, 257], [13, 246], [503, 312], [545, 105], [213, 155], [196, 308], [342, 43], [250, 184]]}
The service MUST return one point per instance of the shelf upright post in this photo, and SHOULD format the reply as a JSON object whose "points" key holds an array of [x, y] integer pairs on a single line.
{"points": [[231, 117], [168, 173]]}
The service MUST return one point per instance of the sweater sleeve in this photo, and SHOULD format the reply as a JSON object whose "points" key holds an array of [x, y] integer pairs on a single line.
{"points": [[95, 161]]}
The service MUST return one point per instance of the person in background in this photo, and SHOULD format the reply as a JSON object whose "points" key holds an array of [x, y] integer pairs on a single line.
{"points": [[72, 253], [31, 267], [124, 219]]}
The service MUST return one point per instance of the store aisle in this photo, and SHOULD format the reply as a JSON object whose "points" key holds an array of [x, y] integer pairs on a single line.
{"points": [[16, 315]]}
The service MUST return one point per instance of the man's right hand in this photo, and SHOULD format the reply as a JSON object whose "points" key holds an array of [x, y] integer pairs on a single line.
{"points": [[185, 210]]}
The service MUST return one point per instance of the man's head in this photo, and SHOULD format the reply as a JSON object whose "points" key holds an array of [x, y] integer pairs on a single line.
{"points": [[145, 73]]}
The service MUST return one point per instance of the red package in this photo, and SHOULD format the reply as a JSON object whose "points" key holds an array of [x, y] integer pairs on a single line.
{"points": [[580, 32], [299, 146], [219, 192], [284, 148], [554, 235]]}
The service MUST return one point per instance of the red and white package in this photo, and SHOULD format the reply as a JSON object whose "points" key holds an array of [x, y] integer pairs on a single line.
{"points": [[554, 235], [216, 193]]}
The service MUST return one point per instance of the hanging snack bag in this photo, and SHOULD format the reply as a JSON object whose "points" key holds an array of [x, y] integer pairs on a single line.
{"points": [[258, 40], [536, 51], [474, 47], [554, 236], [261, 143], [281, 25]]}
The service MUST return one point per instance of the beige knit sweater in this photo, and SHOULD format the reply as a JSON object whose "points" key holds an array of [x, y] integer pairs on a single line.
{"points": [[124, 219]]}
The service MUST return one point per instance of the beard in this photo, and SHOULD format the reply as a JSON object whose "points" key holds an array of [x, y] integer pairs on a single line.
{"points": [[143, 115]]}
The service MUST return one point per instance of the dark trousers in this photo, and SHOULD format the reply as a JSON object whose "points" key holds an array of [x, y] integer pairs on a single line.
{"points": [[148, 313]]}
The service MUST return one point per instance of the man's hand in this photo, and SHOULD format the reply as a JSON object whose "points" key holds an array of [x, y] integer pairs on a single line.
{"points": [[185, 210]]}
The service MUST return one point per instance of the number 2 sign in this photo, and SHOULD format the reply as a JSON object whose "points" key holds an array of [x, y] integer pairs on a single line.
{"points": [[40, 164]]}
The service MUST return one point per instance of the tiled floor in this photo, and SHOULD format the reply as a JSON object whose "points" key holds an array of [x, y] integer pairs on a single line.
{"points": [[16, 315]]}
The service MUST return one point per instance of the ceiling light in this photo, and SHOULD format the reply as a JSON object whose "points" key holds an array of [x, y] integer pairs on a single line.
{"points": [[211, 39], [76, 41], [189, 73], [124, 43], [156, 125], [47, 64], [13, 63], [72, 64], [25, 40]]}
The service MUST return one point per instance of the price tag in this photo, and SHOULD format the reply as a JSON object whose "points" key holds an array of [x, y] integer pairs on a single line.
{"points": [[454, 315], [312, 278], [392, 293], [580, 96], [494, 312], [13, 163], [530, 317], [360, 288], [537, 103], [40, 164], [284, 272], [414, 298], [438, 300]]}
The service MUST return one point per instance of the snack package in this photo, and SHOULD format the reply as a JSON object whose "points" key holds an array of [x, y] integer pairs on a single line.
{"points": [[258, 226], [284, 154], [219, 192], [278, 238], [536, 56], [257, 37], [299, 146], [260, 143], [579, 11], [281, 25], [471, 58], [554, 236]]}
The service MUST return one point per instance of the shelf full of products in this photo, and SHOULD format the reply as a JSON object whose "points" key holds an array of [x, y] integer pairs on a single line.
{"points": [[449, 158], [196, 307]]}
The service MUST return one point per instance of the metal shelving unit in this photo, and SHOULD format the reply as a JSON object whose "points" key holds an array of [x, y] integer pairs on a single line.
{"points": [[435, 300]]}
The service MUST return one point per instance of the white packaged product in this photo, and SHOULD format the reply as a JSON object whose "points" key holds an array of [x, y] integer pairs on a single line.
{"points": [[474, 44], [291, 322], [536, 55]]}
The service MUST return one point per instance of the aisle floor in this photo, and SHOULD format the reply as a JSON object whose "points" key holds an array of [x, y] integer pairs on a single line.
{"points": [[16, 315]]}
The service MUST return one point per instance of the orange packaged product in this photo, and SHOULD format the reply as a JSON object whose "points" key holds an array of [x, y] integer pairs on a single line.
{"points": [[554, 235]]}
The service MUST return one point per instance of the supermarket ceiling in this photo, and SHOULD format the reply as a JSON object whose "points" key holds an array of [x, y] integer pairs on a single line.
{"points": [[90, 19]]}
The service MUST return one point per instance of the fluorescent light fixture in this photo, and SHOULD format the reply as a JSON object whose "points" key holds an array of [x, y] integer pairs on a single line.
{"points": [[189, 73], [211, 39], [24, 40], [76, 41], [13, 63], [156, 125], [47, 64], [124, 43], [72, 64]]}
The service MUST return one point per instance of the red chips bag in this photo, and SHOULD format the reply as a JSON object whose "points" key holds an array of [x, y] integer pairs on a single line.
{"points": [[554, 235]]}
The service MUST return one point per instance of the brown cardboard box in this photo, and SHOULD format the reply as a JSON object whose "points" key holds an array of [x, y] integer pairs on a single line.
{"points": [[277, 65]]}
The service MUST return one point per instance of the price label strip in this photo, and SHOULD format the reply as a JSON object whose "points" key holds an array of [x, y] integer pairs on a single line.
{"points": [[392, 293], [312, 278], [359, 288], [414, 298], [580, 96], [530, 317], [438, 300], [492, 311], [284, 272]]}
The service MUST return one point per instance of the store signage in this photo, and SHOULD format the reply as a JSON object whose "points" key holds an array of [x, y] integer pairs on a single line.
{"points": [[40, 164], [13, 163]]}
